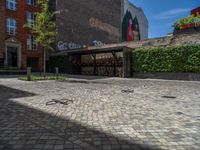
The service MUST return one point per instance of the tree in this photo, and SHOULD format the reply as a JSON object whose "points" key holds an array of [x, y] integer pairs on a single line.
{"points": [[44, 28]]}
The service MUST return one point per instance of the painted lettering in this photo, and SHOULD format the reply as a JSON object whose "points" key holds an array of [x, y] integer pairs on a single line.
{"points": [[61, 45], [98, 43], [98, 24]]}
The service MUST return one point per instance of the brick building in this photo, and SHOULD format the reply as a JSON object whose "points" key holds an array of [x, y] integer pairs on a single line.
{"points": [[95, 23], [80, 24], [195, 11], [18, 48]]}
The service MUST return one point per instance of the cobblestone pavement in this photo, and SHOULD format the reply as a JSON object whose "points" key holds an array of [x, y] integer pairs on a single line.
{"points": [[104, 114]]}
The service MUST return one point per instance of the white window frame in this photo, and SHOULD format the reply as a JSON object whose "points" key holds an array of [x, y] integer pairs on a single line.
{"points": [[30, 18], [11, 4], [11, 26], [31, 2], [31, 43]]}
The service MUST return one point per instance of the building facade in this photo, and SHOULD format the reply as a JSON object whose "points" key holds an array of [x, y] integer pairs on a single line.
{"points": [[134, 22], [95, 23], [195, 11], [80, 24], [18, 48]]}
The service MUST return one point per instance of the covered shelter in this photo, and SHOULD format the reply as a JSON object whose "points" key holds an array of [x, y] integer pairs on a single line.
{"points": [[113, 61]]}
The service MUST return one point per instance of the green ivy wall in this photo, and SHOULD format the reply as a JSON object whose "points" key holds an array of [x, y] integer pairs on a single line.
{"points": [[167, 59]]}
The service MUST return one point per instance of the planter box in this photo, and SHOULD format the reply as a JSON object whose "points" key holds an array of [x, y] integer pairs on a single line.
{"points": [[187, 30]]}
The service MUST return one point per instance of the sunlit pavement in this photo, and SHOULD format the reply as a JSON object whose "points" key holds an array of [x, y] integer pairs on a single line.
{"points": [[108, 113]]}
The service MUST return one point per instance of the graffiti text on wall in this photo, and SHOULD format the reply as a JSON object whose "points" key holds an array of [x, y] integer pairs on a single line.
{"points": [[67, 46], [97, 43], [98, 24]]}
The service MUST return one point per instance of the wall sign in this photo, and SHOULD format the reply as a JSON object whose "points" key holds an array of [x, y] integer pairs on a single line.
{"points": [[68, 46]]}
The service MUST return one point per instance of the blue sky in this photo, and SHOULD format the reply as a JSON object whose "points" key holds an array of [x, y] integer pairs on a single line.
{"points": [[162, 14]]}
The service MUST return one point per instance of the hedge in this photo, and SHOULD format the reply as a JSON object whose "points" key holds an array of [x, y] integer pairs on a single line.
{"points": [[167, 59]]}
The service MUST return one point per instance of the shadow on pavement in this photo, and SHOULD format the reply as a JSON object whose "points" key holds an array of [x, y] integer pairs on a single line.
{"points": [[87, 77], [23, 127]]}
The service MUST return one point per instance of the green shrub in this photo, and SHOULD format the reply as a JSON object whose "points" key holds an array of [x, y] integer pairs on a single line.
{"points": [[195, 20], [40, 78], [167, 59], [9, 68]]}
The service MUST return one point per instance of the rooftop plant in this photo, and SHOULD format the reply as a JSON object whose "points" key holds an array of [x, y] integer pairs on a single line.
{"points": [[188, 22]]}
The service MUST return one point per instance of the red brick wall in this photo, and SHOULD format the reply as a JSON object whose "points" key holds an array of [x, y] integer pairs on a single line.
{"points": [[22, 33], [195, 11], [2, 27], [100, 20]]}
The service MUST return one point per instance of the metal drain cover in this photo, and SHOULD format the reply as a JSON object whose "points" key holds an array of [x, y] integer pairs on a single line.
{"points": [[60, 101], [167, 96], [128, 91]]}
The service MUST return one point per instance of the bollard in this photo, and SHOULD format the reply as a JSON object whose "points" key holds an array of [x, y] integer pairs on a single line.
{"points": [[57, 72], [29, 73]]}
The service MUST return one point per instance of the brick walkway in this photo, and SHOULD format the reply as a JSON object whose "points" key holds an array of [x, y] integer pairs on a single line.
{"points": [[157, 115]]}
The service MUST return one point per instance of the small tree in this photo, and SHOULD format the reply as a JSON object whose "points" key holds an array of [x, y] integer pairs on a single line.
{"points": [[44, 28]]}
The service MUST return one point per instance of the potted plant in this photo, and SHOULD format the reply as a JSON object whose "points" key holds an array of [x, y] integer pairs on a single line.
{"points": [[183, 23]]}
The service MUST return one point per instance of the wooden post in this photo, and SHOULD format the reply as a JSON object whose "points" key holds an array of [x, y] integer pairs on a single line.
{"points": [[127, 63], [29, 73], [94, 65], [44, 63], [57, 72], [114, 58]]}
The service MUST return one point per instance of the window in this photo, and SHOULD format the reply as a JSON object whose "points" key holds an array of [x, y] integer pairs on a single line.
{"points": [[31, 43], [11, 4], [30, 18], [31, 2], [11, 26]]}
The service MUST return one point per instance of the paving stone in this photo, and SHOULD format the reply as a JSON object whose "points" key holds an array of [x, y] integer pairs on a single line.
{"points": [[101, 116], [58, 147]]}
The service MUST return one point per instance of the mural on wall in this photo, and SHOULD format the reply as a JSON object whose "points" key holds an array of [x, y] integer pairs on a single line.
{"points": [[130, 28]]}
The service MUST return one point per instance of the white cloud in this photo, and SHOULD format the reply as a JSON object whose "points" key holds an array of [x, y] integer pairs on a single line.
{"points": [[171, 13]]}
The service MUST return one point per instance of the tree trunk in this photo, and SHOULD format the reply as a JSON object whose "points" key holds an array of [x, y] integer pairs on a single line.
{"points": [[44, 67]]}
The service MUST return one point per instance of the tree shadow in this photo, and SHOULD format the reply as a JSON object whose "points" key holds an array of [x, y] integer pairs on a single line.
{"points": [[24, 127], [87, 77]]}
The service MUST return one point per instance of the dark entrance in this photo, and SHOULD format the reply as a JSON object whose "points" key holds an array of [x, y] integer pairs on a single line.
{"points": [[33, 62], [105, 64], [112, 61], [12, 56], [100, 62]]}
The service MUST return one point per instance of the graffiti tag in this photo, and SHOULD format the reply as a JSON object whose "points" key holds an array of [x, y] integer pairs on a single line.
{"points": [[98, 43], [98, 24], [67, 46]]}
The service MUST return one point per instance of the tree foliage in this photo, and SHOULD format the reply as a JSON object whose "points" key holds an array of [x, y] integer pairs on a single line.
{"points": [[190, 20], [44, 27]]}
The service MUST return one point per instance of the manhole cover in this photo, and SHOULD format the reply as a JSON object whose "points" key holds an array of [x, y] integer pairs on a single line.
{"points": [[60, 101], [179, 113], [128, 91], [95, 111], [170, 97]]}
